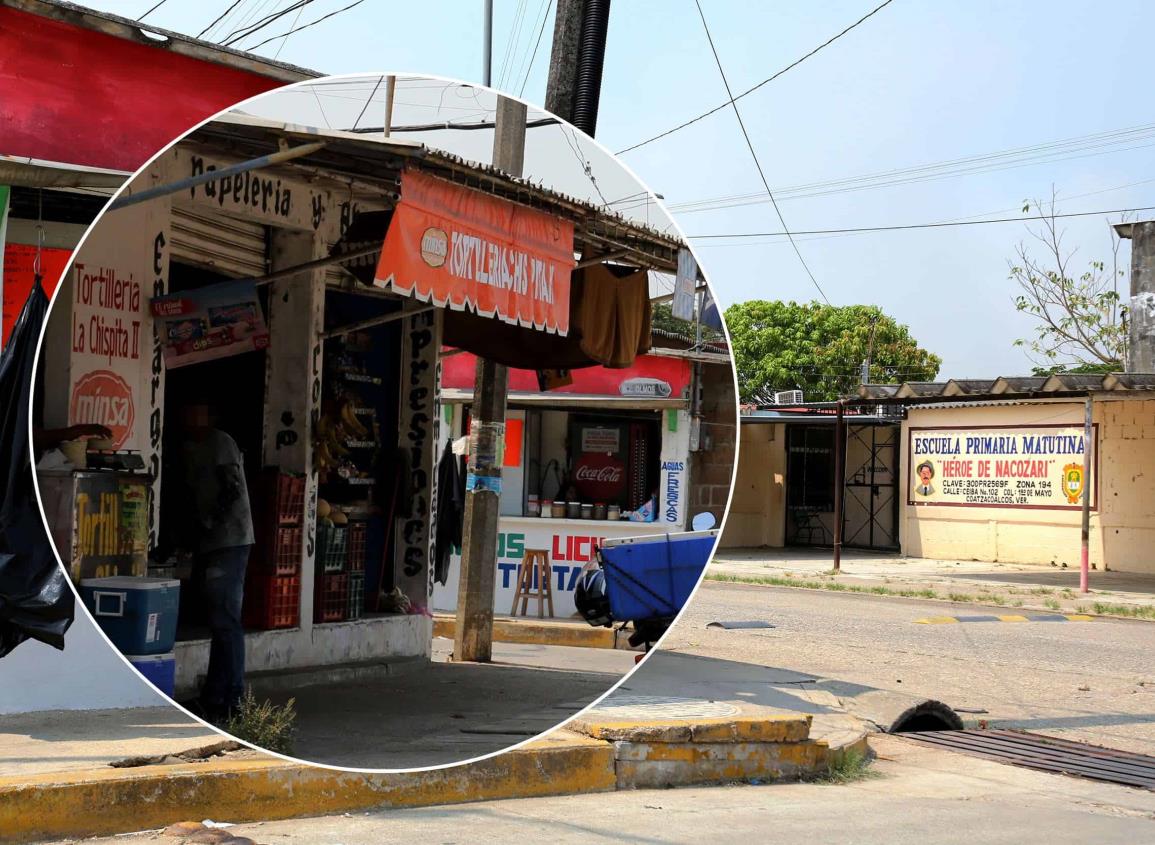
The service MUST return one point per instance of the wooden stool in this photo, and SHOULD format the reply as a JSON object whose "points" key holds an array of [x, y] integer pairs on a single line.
{"points": [[534, 561]]}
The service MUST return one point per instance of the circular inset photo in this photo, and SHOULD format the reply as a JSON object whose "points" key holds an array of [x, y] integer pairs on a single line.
{"points": [[383, 422]]}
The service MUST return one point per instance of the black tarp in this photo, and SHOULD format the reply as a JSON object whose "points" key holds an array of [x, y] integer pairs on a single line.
{"points": [[35, 599]]}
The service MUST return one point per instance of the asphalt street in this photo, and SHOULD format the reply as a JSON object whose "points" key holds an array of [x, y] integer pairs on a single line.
{"points": [[917, 795], [1087, 681]]}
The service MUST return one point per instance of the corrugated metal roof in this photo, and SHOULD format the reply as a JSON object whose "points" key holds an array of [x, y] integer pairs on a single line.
{"points": [[352, 155], [1012, 387]]}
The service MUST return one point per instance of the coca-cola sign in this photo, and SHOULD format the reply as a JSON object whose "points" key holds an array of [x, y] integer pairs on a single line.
{"points": [[599, 477], [608, 474]]}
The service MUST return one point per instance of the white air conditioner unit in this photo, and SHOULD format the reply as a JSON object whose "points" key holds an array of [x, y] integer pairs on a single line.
{"points": [[788, 397]]}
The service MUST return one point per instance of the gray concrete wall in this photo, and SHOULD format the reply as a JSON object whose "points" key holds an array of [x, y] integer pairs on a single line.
{"points": [[87, 675]]}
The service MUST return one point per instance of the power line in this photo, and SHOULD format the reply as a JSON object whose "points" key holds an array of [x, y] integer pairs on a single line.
{"points": [[245, 31], [754, 155], [790, 66], [511, 42], [536, 45], [1050, 152], [435, 127], [240, 19], [150, 11], [292, 29], [307, 25], [979, 216], [220, 17], [920, 225], [585, 165], [368, 100]]}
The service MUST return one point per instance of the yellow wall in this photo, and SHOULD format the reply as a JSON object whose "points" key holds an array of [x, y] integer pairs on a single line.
{"points": [[756, 511], [1122, 530]]}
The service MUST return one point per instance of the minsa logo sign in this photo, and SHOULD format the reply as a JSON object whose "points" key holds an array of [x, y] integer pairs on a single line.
{"points": [[434, 246], [104, 398]]}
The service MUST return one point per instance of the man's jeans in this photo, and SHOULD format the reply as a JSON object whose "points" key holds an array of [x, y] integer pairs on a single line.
{"points": [[224, 589]]}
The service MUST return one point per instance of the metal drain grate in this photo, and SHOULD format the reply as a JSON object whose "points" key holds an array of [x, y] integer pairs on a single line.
{"points": [[1047, 754]]}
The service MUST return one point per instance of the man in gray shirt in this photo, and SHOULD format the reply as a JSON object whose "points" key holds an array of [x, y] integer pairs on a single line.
{"points": [[219, 533]]}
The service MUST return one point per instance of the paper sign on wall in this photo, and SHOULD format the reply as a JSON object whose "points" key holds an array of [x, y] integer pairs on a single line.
{"points": [[214, 321]]}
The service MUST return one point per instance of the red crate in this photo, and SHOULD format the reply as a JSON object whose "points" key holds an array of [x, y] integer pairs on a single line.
{"points": [[286, 557], [272, 601], [290, 499], [331, 597], [355, 547]]}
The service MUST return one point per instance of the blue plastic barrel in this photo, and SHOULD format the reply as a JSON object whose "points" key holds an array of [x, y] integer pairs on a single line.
{"points": [[652, 577]]}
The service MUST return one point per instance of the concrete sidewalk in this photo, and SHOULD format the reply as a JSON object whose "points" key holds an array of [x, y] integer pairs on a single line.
{"points": [[679, 720], [1013, 586]]}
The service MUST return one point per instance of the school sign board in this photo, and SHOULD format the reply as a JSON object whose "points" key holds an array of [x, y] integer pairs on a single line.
{"points": [[1032, 466]]}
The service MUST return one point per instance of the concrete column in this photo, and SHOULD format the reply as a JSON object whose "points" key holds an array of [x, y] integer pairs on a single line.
{"points": [[293, 381], [1141, 313], [673, 484], [419, 433]]}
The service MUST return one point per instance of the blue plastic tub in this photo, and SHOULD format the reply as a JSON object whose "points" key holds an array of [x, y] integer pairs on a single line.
{"points": [[158, 669], [138, 614], [652, 577]]}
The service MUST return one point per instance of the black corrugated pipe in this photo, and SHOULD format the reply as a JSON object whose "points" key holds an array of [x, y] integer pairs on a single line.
{"points": [[591, 56]]}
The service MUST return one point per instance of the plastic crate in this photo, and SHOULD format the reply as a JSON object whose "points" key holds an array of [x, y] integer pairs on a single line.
{"points": [[331, 545], [272, 601], [286, 557], [138, 614], [356, 595], [355, 546], [331, 598], [290, 499], [652, 577]]}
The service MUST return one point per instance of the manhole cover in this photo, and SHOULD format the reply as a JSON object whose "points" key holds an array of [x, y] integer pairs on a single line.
{"points": [[651, 707]]}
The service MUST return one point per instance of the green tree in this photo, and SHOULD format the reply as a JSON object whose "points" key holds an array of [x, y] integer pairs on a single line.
{"points": [[819, 349], [1080, 318], [663, 318]]}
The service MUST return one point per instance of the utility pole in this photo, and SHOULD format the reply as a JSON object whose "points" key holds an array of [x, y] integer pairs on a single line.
{"points": [[1141, 313], [487, 69], [563, 60], [576, 62], [473, 634]]}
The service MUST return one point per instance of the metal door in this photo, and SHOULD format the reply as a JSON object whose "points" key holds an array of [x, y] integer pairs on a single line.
{"points": [[870, 502]]}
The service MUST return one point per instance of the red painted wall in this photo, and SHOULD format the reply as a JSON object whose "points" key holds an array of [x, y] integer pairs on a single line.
{"points": [[82, 97], [457, 371]]}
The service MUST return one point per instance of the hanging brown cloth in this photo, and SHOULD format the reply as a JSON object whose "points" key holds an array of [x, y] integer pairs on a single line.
{"points": [[610, 316]]}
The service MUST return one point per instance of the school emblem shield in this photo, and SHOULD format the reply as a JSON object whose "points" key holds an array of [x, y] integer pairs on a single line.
{"points": [[1073, 482]]}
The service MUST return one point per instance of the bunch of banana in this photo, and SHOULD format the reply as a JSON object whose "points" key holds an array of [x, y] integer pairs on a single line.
{"points": [[349, 418]]}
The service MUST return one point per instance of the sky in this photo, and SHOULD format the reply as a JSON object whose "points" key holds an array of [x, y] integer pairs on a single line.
{"points": [[917, 84]]}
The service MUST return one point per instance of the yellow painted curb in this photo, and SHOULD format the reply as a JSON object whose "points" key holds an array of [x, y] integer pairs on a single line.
{"points": [[771, 727], [109, 801], [937, 620], [1080, 617], [539, 632]]}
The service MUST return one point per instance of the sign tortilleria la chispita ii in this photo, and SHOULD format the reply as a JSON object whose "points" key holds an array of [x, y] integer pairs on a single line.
{"points": [[469, 251], [1036, 466]]}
